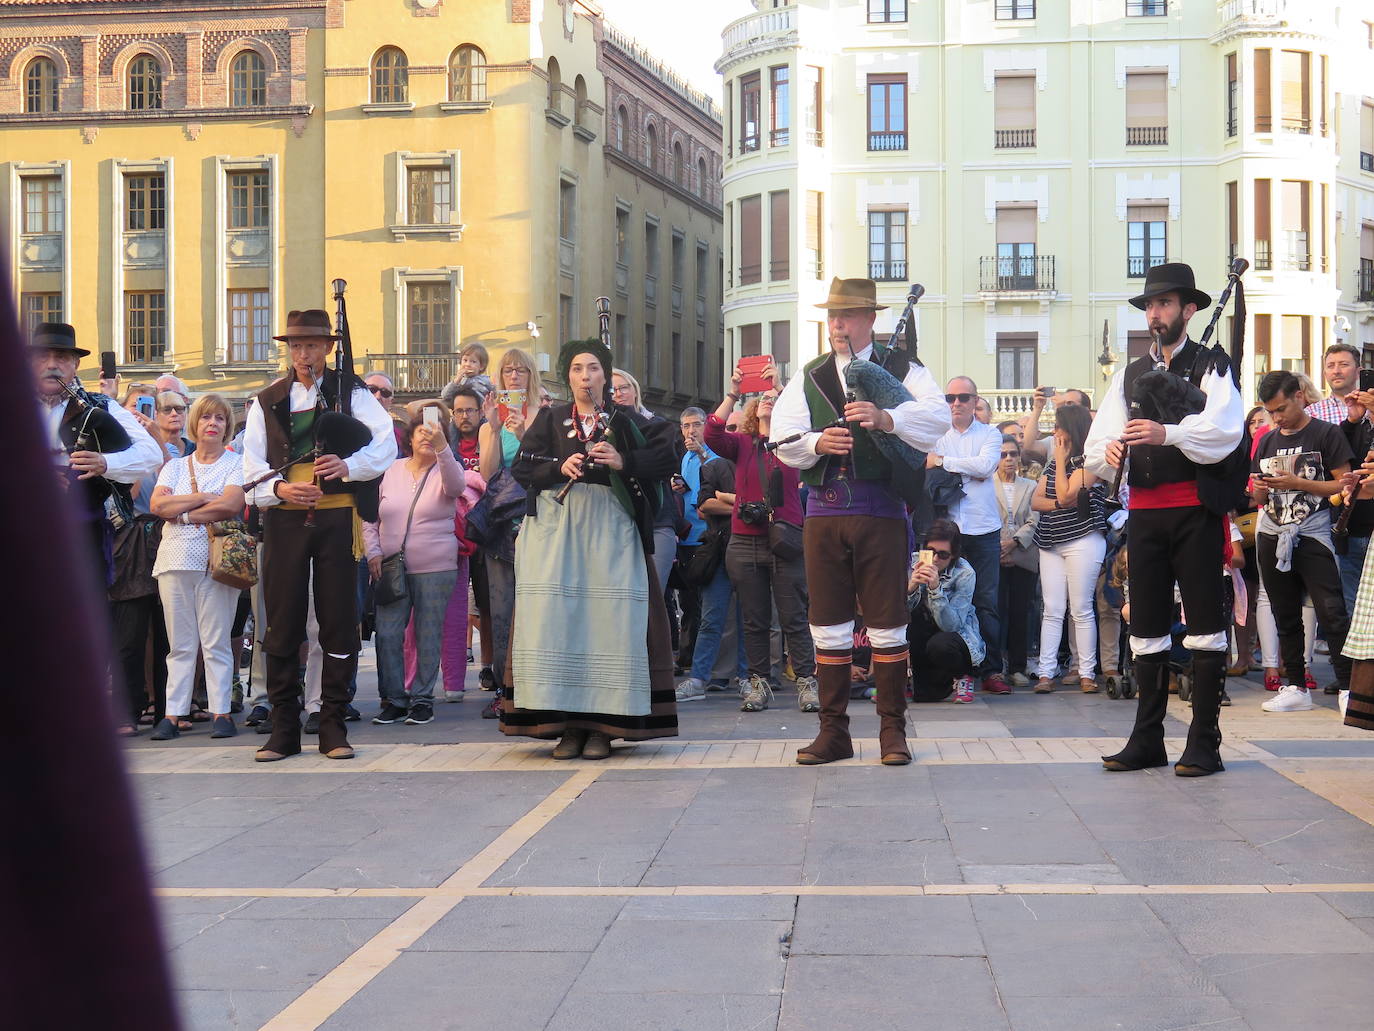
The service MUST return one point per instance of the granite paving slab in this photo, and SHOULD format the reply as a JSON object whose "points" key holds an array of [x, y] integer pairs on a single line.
{"points": [[1206, 925], [885, 927]]}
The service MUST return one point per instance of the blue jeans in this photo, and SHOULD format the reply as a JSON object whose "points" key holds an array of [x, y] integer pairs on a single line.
{"points": [[983, 552], [1352, 565], [715, 607], [427, 595]]}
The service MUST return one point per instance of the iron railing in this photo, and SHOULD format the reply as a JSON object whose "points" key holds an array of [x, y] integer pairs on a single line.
{"points": [[424, 375], [1366, 162], [1146, 8], [1023, 273], [1264, 255], [1364, 281]]}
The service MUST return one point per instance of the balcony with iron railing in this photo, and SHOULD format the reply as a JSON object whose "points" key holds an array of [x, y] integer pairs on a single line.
{"points": [[1147, 135], [1137, 265], [1013, 139], [1366, 161], [1364, 281], [1296, 124], [887, 140], [779, 137], [815, 138], [1025, 274], [1264, 259], [1297, 257], [1146, 8], [419, 375], [893, 270]]}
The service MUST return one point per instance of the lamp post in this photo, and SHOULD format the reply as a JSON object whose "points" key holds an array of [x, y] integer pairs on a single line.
{"points": [[1106, 360]]}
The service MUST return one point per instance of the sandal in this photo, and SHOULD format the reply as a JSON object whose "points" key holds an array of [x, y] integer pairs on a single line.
{"points": [[199, 715], [184, 724], [148, 716], [126, 730]]}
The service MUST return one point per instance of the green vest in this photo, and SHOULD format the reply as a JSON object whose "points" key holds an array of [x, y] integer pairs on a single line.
{"points": [[302, 433], [866, 462]]}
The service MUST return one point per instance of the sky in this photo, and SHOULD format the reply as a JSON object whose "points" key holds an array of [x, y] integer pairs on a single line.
{"points": [[686, 36]]}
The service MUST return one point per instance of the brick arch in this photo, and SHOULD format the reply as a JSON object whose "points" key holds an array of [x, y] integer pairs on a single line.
{"points": [[120, 65], [19, 62], [238, 45]]}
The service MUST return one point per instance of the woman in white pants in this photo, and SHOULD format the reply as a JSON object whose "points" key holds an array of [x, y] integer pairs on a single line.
{"points": [[1072, 544], [192, 492]]}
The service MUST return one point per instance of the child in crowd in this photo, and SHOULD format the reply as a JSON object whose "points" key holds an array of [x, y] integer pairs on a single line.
{"points": [[472, 372]]}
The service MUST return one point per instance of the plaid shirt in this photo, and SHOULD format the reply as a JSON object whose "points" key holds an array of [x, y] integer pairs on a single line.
{"points": [[1330, 409]]}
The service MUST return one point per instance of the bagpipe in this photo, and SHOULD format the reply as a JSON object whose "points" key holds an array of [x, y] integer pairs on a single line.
{"points": [[601, 423], [92, 429]]}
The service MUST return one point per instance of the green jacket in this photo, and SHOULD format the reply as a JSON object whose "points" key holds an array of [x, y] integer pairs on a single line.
{"points": [[825, 393]]}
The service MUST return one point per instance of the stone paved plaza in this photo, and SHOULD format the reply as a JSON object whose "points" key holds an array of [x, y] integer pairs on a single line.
{"points": [[449, 878]]}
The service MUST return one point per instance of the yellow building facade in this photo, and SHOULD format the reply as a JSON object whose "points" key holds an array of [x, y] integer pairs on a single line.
{"points": [[177, 177], [1029, 161]]}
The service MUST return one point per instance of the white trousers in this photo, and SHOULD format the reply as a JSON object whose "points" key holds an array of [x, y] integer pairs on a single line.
{"points": [[200, 613], [1269, 633], [1068, 577]]}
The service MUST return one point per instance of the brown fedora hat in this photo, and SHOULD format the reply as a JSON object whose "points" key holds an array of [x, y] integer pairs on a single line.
{"points": [[312, 322], [852, 293], [55, 336]]}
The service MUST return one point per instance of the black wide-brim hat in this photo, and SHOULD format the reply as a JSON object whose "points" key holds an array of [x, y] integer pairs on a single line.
{"points": [[1172, 277], [55, 336]]}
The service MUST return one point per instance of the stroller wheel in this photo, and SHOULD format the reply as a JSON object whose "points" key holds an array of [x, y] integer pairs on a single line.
{"points": [[1112, 686], [1127, 686], [1185, 687]]}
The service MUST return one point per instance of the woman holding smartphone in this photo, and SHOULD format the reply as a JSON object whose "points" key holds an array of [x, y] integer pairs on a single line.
{"points": [[943, 635], [1072, 542]]}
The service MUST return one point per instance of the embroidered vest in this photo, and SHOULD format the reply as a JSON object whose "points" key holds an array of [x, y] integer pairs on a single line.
{"points": [[825, 400]]}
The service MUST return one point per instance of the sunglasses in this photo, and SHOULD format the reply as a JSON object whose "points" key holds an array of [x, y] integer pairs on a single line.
{"points": [[1011, 454], [941, 554], [173, 408], [381, 390], [962, 398]]}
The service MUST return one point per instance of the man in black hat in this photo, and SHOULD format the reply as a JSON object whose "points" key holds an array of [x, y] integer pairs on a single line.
{"points": [[310, 526], [1176, 533], [856, 528], [118, 450]]}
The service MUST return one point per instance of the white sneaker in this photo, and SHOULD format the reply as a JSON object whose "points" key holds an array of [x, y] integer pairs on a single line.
{"points": [[1289, 699], [1342, 700], [1018, 680], [452, 696], [691, 690]]}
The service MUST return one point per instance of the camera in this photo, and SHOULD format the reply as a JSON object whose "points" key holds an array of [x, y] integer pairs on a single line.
{"points": [[753, 513]]}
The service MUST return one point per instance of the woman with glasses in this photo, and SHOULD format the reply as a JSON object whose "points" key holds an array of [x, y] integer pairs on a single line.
{"points": [[507, 411], [946, 643], [1072, 543], [170, 423], [765, 572], [1020, 558]]}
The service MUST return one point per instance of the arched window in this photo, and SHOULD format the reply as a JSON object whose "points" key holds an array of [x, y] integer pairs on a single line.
{"points": [[580, 92], [390, 76], [555, 86], [467, 74], [651, 146], [679, 171], [622, 128], [701, 177], [40, 86], [145, 84], [248, 80]]}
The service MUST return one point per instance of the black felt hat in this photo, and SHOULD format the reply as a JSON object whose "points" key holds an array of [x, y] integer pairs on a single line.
{"points": [[55, 336], [1172, 277]]}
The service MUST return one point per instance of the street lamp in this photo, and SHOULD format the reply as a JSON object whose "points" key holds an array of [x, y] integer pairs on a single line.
{"points": [[1106, 359]]}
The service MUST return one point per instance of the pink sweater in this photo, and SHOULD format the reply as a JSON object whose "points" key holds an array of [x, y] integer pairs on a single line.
{"points": [[432, 546]]}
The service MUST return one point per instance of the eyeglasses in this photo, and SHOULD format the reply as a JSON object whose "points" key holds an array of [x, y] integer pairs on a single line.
{"points": [[465, 411], [941, 554], [623, 388], [961, 398], [173, 408], [383, 391]]}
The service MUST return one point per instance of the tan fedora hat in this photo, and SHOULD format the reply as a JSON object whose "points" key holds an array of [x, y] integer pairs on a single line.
{"points": [[852, 293], [312, 322]]}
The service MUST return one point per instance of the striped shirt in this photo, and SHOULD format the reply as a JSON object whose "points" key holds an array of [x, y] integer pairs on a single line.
{"points": [[1065, 524]]}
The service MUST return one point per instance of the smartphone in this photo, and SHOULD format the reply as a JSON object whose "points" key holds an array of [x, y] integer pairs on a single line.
{"points": [[1048, 391], [507, 400], [108, 370], [926, 557], [751, 367], [1367, 379], [145, 405], [430, 415]]}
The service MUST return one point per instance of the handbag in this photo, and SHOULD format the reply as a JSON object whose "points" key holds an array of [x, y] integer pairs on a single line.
{"points": [[490, 519], [233, 551], [701, 567], [391, 583], [784, 539]]}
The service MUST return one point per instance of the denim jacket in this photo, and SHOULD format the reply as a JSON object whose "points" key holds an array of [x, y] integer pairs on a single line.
{"points": [[951, 606]]}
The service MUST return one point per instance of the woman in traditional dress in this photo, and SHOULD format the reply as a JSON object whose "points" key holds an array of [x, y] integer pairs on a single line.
{"points": [[592, 659], [1358, 703]]}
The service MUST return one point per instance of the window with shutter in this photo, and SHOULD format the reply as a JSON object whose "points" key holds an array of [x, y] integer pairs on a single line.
{"points": [[814, 220], [1297, 224], [1263, 114], [1296, 67], [750, 240], [1014, 111], [1232, 95], [1232, 221], [751, 339], [779, 235], [1263, 237], [1145, 238], [1016, 361], [1147, 109]]}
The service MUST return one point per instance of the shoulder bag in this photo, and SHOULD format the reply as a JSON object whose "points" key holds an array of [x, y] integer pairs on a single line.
{"points": [[784, 539], [233, 551], [391, 584]]}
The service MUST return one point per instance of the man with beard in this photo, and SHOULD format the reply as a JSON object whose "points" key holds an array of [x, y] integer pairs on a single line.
{"points": [[1174, 535]]}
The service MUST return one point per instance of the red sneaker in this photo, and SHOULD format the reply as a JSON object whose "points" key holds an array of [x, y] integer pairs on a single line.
{"points": [[1309, 680], [1272, 682], [995, 683]]}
